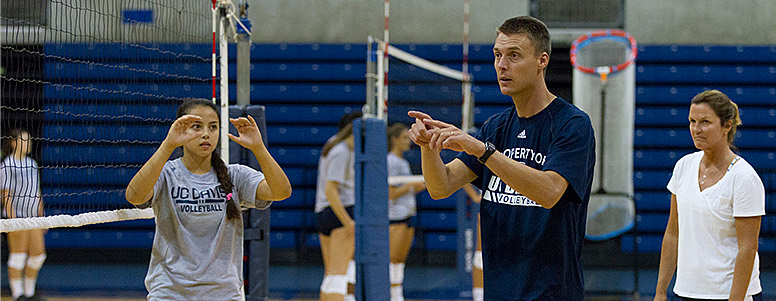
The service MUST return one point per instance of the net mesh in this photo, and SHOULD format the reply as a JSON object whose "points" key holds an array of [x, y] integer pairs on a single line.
{"points": [[96, 84]]}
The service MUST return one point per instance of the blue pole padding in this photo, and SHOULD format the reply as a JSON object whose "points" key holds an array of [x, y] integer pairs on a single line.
{"points": [[371, 210], [466, 242]]}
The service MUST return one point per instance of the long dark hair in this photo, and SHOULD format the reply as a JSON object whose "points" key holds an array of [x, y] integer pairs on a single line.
{"points": [[8, 147], [222, 172], [343, 134]]}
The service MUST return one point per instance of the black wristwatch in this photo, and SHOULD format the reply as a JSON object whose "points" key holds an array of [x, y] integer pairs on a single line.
{"points": [[489, 150]]}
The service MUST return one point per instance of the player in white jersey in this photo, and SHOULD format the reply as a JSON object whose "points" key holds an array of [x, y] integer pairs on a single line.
{"points": [[334, 201], [20, 192], [198, 247], [401, 207]]}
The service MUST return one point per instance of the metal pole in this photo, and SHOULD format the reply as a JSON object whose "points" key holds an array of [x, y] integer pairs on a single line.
{"points": [[224, 60]]}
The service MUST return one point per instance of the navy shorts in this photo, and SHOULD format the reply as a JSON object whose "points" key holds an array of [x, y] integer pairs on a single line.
{"points": [[328, 221], [410, 221]]}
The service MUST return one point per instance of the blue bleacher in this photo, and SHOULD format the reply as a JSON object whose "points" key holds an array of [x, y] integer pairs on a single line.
{"points": [[440, 241], [71, 196], [706, 74], [283, 239], [667, 78], [97, 154], [96, 176], [681, 95], [705, 54], [308, 114], [437, 220], [104, 239], [287, 218], [306, 88], [299, 134]]}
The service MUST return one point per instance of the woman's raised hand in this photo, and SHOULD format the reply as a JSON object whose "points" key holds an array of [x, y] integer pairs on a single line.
{"points": [[248, 133], [181, 131]]}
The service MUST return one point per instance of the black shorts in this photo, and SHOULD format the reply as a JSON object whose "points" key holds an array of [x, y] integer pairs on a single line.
{"points": [[410, 221], [758, 297], [328, 221]]}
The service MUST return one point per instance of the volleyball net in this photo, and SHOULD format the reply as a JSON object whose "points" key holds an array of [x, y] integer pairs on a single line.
{"points": [[417, 83], [97, 84]]}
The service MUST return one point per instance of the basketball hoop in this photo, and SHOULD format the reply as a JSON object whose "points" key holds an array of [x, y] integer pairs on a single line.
{"points": [[603, 67]]}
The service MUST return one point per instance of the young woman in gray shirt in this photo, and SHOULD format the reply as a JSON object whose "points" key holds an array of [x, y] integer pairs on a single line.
{"points": [[198, 247]]}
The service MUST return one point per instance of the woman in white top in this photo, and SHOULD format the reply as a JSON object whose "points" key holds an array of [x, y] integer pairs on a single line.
{"points": [[334, 200], [401, 207], [21, 197], [197, 252], [717, 202]]}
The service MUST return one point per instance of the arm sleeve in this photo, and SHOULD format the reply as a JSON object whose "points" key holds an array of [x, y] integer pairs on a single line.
{"points": [[246, 181], [748, 195], [572, 155]]}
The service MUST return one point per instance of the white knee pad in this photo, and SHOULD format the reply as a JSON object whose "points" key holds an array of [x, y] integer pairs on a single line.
{"points": [[35, 262], [325, 284], [396, 273], [478, 294], [16, 260], [335, 284], [351, 273], [477, 262], [397, 293]]}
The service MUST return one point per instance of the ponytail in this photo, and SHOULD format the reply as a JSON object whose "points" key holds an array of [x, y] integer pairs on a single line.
{"points": [[222, 173], [343, 134]]}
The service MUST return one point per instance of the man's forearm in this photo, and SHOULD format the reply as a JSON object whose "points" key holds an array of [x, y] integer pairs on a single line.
{"points": [[435, 174]]}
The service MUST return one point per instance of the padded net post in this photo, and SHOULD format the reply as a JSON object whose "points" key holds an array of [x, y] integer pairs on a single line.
{"points": [[604, 87]]}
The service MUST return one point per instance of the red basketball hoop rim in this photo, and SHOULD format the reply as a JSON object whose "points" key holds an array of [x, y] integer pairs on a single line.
{"points": [[600, 35]]}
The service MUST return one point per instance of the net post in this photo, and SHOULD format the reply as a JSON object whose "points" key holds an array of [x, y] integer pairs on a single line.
{"points": [[381, 81], [214, 24], [466, 243], [244, 63], [257, 229], [370, 105], [467, 107], [371, 209], [224, 85]]}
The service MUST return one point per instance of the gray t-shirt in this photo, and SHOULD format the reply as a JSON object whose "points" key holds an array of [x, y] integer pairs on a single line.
{"points": [[403, 206], [197, 254], [20, 178], [337, 166]]}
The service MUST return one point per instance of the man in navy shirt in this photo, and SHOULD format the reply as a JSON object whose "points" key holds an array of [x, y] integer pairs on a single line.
{"points": [[534, 163]]}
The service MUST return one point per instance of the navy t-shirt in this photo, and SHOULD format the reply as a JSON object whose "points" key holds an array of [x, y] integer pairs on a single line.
{"points": [[530, 252]]}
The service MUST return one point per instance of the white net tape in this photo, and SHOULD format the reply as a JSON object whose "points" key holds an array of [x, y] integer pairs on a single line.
{"points": [[17, 224], [398, 180]]}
